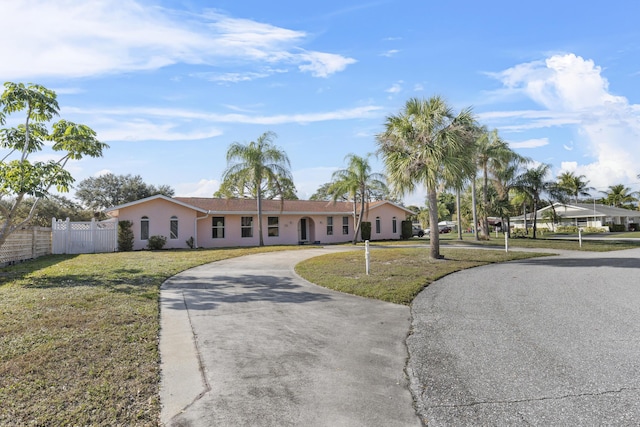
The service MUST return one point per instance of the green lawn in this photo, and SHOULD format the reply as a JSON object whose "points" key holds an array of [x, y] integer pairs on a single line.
{"points": [[397, 274], [79, 336], [547, 241]]}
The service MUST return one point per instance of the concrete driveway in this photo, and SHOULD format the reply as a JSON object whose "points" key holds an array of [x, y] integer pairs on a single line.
{"points": [[547, 341], [246, 342]]}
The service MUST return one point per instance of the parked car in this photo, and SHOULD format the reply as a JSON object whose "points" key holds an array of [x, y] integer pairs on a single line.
{"points": [[444, 229], [416, 231]]}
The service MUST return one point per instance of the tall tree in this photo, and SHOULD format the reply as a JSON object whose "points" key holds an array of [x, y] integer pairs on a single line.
{"points": [[574, 186], [533, 182], [19, 177], [110, 190], [255, 167], [620, 196], [427, 144], [493, 153], [359, 183]]}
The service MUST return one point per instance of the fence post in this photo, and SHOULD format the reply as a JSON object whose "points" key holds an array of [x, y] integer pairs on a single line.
{"points": [[67, 236], [34, 242], [93, 235]]}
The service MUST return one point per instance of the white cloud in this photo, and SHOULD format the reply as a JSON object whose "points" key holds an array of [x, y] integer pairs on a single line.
{"points": [[145, 130], [202, 188], [390, 53], [324, 64], [308, 180], [530, 143], [395, 88], [102, 172], [418, 87], [76, 38], [368, 111], [575, 93]]}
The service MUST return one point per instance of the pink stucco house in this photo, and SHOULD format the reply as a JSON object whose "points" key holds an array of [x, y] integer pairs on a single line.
{"points": [[213, 222]]}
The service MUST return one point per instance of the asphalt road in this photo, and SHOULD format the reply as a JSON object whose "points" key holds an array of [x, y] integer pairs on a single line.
{"points": [[546, 342], [247, 342]]}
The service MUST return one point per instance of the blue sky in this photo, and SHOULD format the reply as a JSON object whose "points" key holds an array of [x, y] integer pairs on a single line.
{"points": [[169, 85]]}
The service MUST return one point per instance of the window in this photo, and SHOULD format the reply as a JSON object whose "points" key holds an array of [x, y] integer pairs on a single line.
{"points": [[246, 226], [345, 225], [173, 232], [144, 228], [272, 226], [217, 227], [394, 225], [377, 225], [329, 226]]}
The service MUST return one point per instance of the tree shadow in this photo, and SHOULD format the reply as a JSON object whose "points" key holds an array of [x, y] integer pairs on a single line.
{"points": [[19, 270], [618, 262], [208, 293]]}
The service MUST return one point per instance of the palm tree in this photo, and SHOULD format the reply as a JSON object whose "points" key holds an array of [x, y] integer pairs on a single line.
{"points": [[358, 182], [620, 196], [256, 166], [427, 144], [533, 182], [506, 179], [492, 155], [573, 185]]}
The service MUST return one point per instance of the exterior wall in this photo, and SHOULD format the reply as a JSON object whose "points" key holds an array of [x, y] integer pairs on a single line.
{"points": [[289, 230], [192, 222], [159, 213], [386, 213]]}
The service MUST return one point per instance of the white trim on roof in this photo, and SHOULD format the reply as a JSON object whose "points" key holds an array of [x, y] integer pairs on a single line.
{"points": [[155, 197]]}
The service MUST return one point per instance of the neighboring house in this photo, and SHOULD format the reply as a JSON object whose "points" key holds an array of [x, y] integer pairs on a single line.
{"points": [[580, 214], [216, 223]]}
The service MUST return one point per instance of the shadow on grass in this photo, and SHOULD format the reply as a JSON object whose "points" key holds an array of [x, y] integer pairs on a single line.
{"points": [[618, 262], [208, 293], [20, 270]]}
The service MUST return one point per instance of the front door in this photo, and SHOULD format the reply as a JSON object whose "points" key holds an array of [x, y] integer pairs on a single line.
{"points": [[303, 230]]}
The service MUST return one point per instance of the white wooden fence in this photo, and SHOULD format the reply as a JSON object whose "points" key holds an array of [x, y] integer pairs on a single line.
{"points": [[26, 244], [84, 237]]}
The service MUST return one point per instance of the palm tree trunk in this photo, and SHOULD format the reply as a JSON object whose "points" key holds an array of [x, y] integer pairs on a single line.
{"points": [[474, 209], [359, 226], [458, 214], [259, 201], [535, 217], [434, 239], [485, 203]]}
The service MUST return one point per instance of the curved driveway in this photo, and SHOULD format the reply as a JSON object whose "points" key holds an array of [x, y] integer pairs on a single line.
{"points": [[544, 341], [270, 349]]}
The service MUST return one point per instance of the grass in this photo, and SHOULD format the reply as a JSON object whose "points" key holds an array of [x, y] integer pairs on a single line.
{"points": [[397, 275], [79, 336], [546, 242]]}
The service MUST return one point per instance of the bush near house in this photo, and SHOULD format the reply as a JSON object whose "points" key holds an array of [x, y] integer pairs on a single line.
{"points": [[365, 231], [156, 243], [617, 227], [125, 236], [407, 231]]}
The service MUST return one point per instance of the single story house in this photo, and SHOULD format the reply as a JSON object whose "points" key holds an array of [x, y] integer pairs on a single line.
{"points": [[216, 222], [579, 214]]}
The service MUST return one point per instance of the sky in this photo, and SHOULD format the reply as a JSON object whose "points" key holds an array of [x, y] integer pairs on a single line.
{"points": [[169, 85]]}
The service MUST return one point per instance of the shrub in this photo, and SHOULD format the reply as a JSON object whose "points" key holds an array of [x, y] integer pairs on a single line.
{"points": [[594, 230], [190, 242], [125, 236], [156, 242], [566, 229], [365, 230], [407, 230], [616, 227], [518, 233]]}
